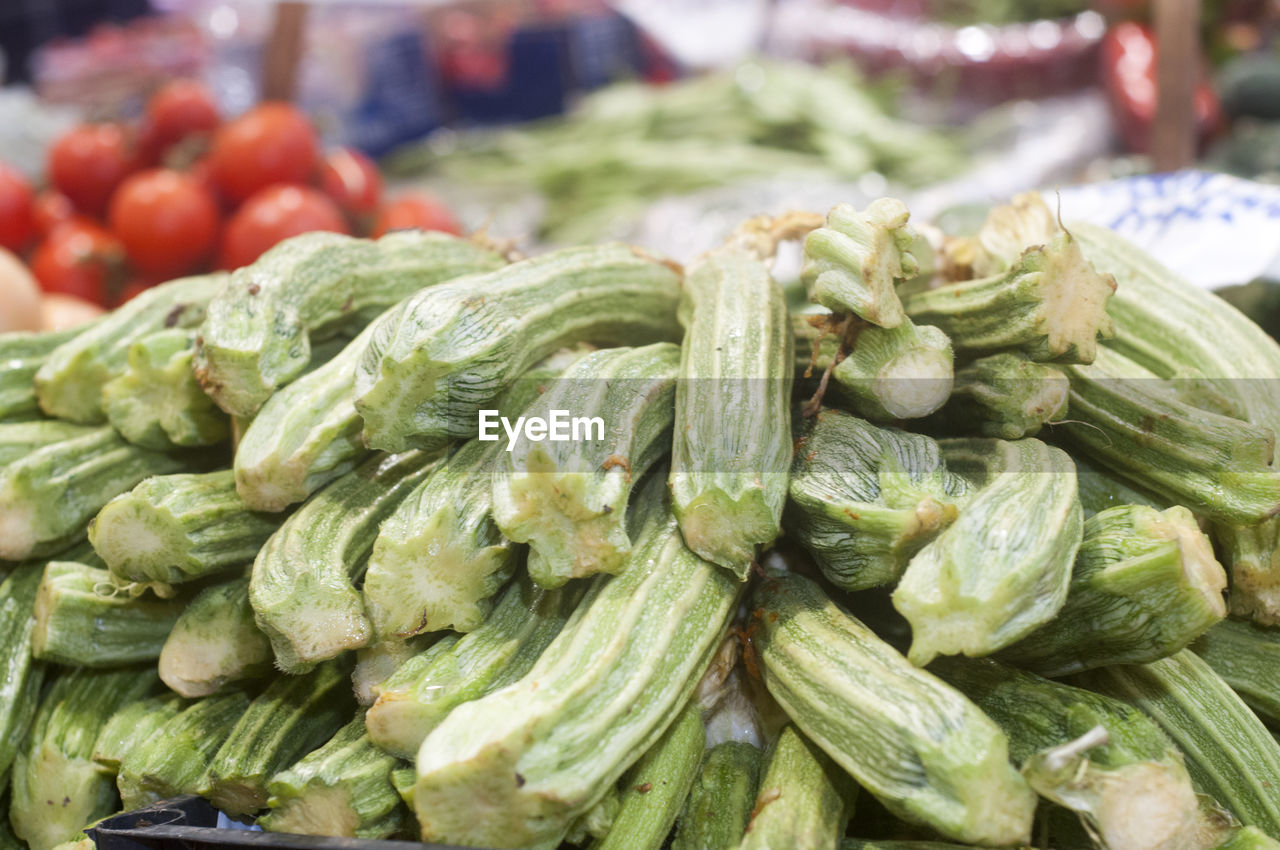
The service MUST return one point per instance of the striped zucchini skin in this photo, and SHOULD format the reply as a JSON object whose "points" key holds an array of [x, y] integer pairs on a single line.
{"points": [[449, 351], [517, 766], [19, 439], [732, 444], [57, 789], [1230, 754], [804, 800], [1145, 585], [292, 717], [48, 497], [155, 401], [852, 264], [425, 689], [177, 528], [1002, 569], [258, 334], [173, 761], [301, 587], [130, 726], [216, 640], [69, 383], [20, 676], [79, 621], [377, 662], [1214, 464], [22, 353], [1005, 396], [863, 500], [1251, 555], [1245, 656], [923, 749], [1249, 838], [1100, 490], [719, 806], [568, 500], [904, 372], [656, 787], [343, 790]]}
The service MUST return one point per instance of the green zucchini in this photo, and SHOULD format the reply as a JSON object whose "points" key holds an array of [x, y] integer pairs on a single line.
{"points": [[567, 499], [259, 331], [1249, 838], [426, 688], [853, 263], [215, 641], [19, 439], [377, 662], [804, 800], [301, 588], [81, 619], [69, 383], [155, 401], [130, 726], [1006, 396], [1002, 569], [1145, 585], [518, 765], [1230, 754], [292, 717], [1244, 655], [342, 790], [177, 528], [57, 789], [48, 497], [863, 500], [924, 750], [21, 677], [1100, 490], [1251, 555], [732, 444], [719, 806], [655, 788], [449, 351], [905, 372], [22, 353]]}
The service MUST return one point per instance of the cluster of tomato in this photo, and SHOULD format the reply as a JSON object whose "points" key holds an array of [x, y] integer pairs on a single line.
{"points": [[127, 207]]}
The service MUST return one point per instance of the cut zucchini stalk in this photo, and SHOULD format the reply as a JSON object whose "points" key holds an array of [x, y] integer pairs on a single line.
{"points": [[904, 372], [1006, 396], [215, 641], [853, 263]]}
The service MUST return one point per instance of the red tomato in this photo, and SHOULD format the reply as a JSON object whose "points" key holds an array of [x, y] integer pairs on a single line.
{"points": [[180, 109], [352, 180], [88, 163], [50, 209], [78, 258], [271, 143], [273, 215], [166, 220], [420, 212], [17, 223]]}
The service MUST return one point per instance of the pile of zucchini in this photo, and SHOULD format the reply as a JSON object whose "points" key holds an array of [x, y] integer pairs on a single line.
{"points": [[934, 548]]}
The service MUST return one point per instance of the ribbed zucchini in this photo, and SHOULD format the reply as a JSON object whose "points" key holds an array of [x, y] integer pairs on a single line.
{"points": [[904, 372], [57, 789], [519, 764], [342, 789], [1100, 490], [567, 499], [130, 726], [19, 439], [69, 383], [852, 264], [292, 717], [20, 676], [258, 334], [302, 588], [426, 688], [175, 758], [1002, 568], [863, 500], [22, 353], [177, 528], [732, 444], [804, 800], [655, 788], [1145, 585], [215, 641], [155, 401], [449, 351], [1230, 754], [917, 744], [376, 663], [1006, 396], [1246, 657], [80, 620], [48, 497], [1251, 555], [719, 806]]}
